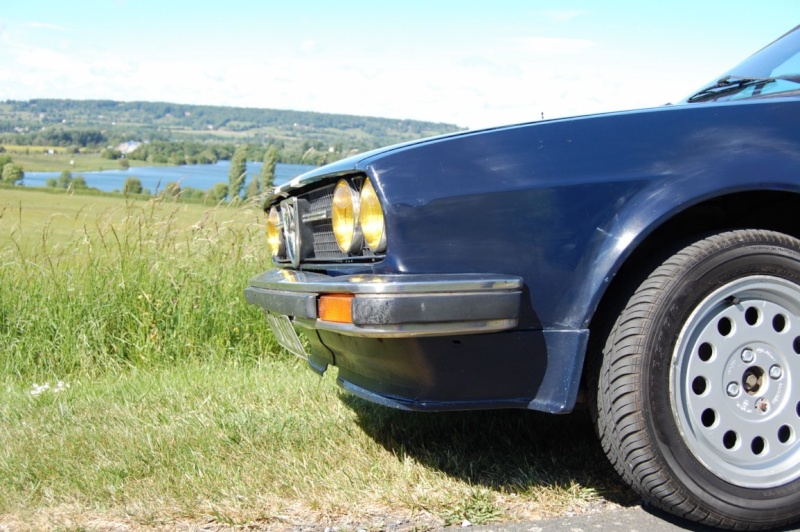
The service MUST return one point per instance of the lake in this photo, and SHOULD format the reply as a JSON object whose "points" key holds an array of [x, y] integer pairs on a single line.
{"points": [[155, 178]]}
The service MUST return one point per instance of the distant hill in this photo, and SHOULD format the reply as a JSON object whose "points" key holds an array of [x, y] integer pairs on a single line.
{"points": [[172, 121]]}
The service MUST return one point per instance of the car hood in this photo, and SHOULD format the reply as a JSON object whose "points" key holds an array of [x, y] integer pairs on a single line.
{"points": [[361, 161], [348, 165]]}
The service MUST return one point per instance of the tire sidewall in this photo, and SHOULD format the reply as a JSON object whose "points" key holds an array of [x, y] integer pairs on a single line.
{"points": [[697, 279]]}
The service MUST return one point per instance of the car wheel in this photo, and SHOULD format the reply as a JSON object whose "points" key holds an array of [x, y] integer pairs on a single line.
{"points": [[697, 405]]}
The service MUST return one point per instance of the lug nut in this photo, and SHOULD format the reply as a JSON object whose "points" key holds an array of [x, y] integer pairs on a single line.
{"points": [[747, 355], [733, 389], [775, 372]]}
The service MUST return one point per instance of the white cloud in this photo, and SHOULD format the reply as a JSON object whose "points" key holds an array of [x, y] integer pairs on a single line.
{"points": [[308, 46], [492, 67], [554, 45]]}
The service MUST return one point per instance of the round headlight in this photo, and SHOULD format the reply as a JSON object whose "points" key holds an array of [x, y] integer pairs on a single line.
{"points": [[274, 236], [344, 215], [371, 218]]}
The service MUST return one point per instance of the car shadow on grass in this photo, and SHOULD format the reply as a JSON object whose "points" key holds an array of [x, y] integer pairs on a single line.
{"points": [[513, 451]]}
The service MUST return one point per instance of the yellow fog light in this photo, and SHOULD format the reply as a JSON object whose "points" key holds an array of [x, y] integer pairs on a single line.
{"points": [[371, 218], [344, 215], [274, 236]]}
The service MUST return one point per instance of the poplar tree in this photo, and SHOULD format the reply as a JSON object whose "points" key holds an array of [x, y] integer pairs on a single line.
{"points": [[254, 188], [268, 168], [237, 172]]}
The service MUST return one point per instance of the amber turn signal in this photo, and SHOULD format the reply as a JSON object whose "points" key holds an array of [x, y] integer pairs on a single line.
{"points": [[336, 308]]}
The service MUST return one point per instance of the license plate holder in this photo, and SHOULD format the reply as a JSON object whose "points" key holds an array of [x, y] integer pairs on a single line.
{"points": [[284, 333]]}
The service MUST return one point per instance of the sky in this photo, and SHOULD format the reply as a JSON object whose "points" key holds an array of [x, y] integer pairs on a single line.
{"points": [[471, 63]]}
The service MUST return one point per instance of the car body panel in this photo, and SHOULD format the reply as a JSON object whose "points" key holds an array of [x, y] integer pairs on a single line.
{"points": [[560, 204]]}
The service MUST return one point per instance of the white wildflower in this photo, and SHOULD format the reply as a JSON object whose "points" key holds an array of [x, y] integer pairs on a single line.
{"points": [[38, 390]]}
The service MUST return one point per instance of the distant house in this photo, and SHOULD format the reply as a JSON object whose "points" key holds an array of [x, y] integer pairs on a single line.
{"points": [[127, 147]]}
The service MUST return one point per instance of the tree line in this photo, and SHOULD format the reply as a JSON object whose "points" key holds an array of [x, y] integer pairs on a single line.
{"points": [[176, 152], [299, 136], [203, 117]]}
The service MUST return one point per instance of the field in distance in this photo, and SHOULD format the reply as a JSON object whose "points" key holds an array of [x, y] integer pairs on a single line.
{"points": [[40, 159]]}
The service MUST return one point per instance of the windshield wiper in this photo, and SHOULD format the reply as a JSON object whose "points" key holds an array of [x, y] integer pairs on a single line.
{"points": [[726, 85], [733, 84]]}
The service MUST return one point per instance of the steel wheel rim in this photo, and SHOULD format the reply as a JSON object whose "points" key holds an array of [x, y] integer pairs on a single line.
{"points": [[731, 382]]}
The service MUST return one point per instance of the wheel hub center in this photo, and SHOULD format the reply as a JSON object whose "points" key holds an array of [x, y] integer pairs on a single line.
{"points": [[753, 379]]}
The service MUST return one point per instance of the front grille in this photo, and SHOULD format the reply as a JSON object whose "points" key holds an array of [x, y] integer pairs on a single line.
{"points": [[314, 223], [325, 247]]}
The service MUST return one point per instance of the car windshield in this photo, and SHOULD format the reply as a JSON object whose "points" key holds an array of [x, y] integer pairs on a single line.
{"points": [[773, 70]]}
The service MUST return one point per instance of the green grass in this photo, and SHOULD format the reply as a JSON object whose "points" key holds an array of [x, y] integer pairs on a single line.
{"points": [[97, 284], [137, 389], [271, 444]]}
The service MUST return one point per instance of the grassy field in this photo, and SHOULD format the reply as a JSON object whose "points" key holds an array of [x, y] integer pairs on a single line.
{"points": [[138, 390], [36, 159]]}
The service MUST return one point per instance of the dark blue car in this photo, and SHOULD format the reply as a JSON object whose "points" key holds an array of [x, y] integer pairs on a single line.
{"points": [[644, 262]]}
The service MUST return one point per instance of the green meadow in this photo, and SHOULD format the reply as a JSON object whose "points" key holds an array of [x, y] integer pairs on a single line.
{"points": [[139, 391], [37, 159]]}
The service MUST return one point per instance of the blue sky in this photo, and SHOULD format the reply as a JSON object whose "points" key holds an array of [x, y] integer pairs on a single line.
{"points": [[474, 64]]}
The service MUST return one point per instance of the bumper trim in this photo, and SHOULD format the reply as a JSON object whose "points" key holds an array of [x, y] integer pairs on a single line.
{"points": [[409, 330], [286, 303], [429, 308], [300, 281]]}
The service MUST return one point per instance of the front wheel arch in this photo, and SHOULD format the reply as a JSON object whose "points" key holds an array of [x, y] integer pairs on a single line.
{"points": [[755, 209]]}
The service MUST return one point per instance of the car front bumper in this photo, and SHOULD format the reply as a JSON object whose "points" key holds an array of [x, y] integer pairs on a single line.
{"points": [[394, 306], [426, 342]]}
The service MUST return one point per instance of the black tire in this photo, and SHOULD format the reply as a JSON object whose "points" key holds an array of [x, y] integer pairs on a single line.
{"points": [[696, 405]]}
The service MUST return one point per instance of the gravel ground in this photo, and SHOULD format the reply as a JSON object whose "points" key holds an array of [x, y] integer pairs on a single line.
{"points": [[616, 519]]}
